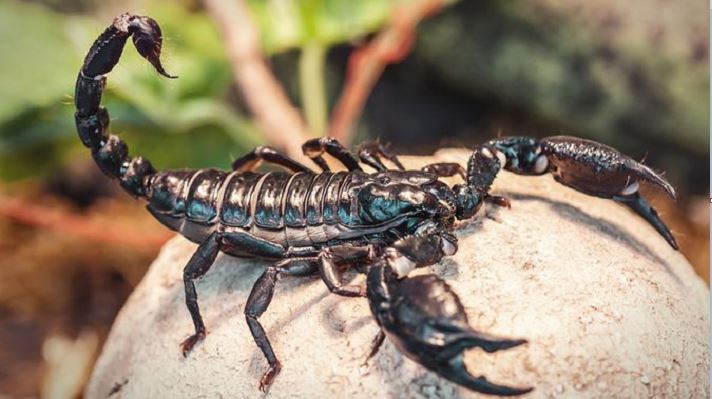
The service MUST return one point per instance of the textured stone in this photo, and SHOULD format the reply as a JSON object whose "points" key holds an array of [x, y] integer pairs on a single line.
{"points": [[609, 309]]}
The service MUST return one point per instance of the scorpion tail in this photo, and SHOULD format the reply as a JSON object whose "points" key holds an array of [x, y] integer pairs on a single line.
{"points": [[92, 120]]}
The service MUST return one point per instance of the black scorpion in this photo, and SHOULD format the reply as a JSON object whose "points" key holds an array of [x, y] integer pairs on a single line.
{"points": [[384, 224]]}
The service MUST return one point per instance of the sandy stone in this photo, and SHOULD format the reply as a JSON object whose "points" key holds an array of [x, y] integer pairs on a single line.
{"points": [[609, 309]]}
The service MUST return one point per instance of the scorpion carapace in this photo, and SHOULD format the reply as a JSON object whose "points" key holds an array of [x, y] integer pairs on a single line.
{"points": [[384, 223]]}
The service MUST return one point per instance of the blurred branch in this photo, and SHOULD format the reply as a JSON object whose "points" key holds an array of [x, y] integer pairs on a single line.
{"points": [[280, 122], [367, 63], [93, 230], [311, 87]]}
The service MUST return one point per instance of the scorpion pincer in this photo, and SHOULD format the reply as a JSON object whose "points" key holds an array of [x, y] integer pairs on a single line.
{"points": [[384, 223]]}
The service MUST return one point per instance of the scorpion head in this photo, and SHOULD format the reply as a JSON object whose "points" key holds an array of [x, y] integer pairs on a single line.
{"points": [[395, 194], [381, 204]]}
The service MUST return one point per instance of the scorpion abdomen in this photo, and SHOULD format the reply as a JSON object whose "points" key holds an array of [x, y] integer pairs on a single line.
{"points": [[296, 199], [236, 198], [301, 209], [270, 200], [186, 200]]}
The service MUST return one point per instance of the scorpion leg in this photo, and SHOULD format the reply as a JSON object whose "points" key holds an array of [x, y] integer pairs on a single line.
{"points": [[253, 159], [197, 266], [330, 261], [375, 345], [260, 298], [315, 148], [445, 169], [371, 152], [586, 166]]}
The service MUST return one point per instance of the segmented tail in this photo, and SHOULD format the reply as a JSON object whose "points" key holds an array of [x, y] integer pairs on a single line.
{"points": [[110, 152]]}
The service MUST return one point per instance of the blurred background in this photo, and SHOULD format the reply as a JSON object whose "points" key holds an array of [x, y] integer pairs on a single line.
{"points": [[418, 75]]}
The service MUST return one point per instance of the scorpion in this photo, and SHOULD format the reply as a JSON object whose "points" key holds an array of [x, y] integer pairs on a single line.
{"points": [[383, 224]]}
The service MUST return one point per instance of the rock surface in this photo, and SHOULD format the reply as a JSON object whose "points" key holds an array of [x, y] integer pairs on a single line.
{"points": [[609, 309]]}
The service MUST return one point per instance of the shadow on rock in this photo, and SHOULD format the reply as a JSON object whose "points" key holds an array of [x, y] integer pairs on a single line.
{"points": [[578, 216]]}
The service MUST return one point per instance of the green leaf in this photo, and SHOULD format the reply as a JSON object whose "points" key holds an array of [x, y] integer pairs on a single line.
{"points": [[286, 24], [184, 122], [38, 64]]}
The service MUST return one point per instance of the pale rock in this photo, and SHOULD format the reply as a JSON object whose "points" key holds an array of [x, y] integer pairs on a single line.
{"points": [[609, 309]]}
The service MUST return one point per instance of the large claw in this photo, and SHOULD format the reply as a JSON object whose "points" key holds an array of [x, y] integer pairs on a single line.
{"points": [[597, 169], [426, 321], [589, 167]]}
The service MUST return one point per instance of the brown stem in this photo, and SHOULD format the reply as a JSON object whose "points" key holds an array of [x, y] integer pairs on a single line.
{"points": [[89, 228], [367, 63], [280, 122]]}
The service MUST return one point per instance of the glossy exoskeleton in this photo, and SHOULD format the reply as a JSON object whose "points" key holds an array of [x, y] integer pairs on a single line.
{"points": [[385, 223]]}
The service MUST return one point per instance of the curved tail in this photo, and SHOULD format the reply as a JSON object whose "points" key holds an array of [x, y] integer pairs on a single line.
{"points": [[109, 152]]}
